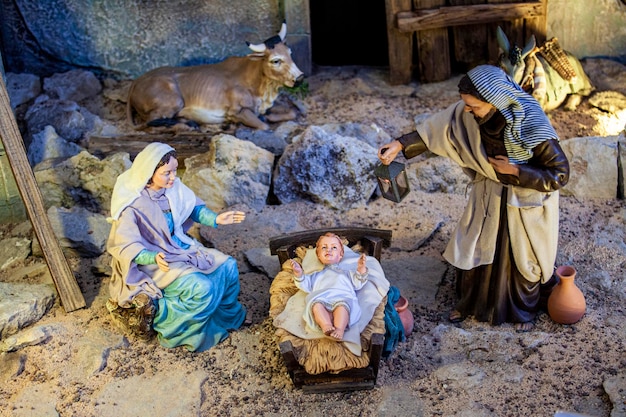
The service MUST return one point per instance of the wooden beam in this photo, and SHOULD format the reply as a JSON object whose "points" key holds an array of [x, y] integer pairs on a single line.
{"points": [[466, 15], [63, 277], [186, 144]]}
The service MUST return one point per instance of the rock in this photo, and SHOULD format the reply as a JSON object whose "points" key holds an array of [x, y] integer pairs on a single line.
{"points": [[263, 260], [437, 174], [14, 249], [29, 337], [22, 88], [22, 305], [74, 85], [372, 134], [11, 365], [593, 169], [615, 388], [609, 101], [82, 179], [326, 168], [605, 74], [274, 141], [48, 145], [80, 231], [68, 119], [234, 171]]}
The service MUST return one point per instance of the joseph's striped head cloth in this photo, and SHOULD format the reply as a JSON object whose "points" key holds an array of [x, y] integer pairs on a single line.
{"points": [[526, 123]]}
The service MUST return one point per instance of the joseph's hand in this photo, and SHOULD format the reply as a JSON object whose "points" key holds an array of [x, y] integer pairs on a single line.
{"points": [[502, 165], [387, 153]]}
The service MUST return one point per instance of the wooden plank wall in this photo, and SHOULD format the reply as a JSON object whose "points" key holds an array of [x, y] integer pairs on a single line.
{"points": [[433, 47], [468, 25]]}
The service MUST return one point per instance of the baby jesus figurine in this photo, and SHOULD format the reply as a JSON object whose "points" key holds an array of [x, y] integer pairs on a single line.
{"points": [[331, 301]]}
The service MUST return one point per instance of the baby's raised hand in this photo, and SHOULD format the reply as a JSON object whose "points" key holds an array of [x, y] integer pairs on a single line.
{"points": [[297, 268], [361, 267]]}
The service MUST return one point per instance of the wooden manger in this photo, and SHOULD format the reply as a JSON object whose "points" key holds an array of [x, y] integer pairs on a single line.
{"points": [[369, 240]]}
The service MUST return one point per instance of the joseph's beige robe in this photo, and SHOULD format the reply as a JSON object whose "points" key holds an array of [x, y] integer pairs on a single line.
{"points": [[533, 216]]}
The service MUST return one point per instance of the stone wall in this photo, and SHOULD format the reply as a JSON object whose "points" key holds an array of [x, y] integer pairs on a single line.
{"points": [[129, 37], [589, 28]]}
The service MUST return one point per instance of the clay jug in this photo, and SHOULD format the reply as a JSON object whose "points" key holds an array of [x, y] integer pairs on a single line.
{"points": [[566, 304], [402, 307]]}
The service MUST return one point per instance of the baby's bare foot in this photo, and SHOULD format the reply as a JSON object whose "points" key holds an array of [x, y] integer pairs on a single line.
{"points": [[337, 334], [328, 330]]}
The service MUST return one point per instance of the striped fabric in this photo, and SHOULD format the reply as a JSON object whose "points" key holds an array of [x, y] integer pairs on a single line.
{"points": [[526, 123]]}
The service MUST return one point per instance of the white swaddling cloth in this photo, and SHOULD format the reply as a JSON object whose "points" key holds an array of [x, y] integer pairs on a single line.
{"points": [[370, 297]]}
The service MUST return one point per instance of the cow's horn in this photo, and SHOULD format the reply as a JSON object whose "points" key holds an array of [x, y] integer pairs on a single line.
{"points": [[259, 47], [283, 31]]}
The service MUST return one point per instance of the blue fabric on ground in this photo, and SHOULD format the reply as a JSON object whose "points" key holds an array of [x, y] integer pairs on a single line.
{"points": [[394, 330], [197, 310]]}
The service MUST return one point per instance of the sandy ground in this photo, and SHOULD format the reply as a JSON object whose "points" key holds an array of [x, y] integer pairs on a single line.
{"points": [[467, 369]]}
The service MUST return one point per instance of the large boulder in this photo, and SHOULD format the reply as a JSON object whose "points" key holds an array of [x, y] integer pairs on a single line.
{"points": [[326, 168], [233, 171]]}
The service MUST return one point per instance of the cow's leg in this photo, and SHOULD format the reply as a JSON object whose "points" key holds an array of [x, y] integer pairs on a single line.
{"points": [[249, 118], [156, 98], [281, 114]]}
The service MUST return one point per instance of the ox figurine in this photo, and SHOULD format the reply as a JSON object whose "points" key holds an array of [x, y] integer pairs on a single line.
{"points": [[238, 89], [549, 74]]}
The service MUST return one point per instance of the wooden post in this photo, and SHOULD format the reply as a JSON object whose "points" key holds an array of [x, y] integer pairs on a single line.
{"points": [[538, 25], [400, 44], [469, 41], [63, 277], [433, 48]]}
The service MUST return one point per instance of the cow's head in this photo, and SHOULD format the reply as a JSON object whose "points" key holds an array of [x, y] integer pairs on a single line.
{"points": [[277, 59], [512, 58]]}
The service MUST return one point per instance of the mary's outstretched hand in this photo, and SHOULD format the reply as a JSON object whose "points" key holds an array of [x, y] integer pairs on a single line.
{"points": [[230, 217]]}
